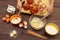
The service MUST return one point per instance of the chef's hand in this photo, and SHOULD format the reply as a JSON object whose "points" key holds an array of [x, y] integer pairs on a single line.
{"points": [[50, 9], [19, 5]]}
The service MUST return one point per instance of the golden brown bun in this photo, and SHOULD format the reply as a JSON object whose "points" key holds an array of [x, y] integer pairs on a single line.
{"points": [[30, 1], [26, 6], [34, 9]]}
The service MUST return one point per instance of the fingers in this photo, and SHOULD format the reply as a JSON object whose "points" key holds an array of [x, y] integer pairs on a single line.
{"points": [[18, 8], [50, 10], [19, 5]]}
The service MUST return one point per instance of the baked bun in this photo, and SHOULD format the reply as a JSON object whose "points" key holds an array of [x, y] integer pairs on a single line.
{"points": [[34, 9], [30, 1], [26, 6]]}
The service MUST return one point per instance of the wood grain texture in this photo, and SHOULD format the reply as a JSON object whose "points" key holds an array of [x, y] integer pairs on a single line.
{"points": [[6, 28]]}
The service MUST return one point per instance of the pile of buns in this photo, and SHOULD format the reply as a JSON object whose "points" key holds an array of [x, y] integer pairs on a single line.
{"points": [[33, 7]]}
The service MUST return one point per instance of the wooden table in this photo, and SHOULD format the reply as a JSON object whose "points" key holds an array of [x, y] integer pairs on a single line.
{"points": [[6, 28]]}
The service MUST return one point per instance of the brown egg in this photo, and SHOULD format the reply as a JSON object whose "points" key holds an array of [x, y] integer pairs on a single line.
{"points": [[7, 20], [34, 9], [4, 19], [26, 6], [30, 1], [7, 16], [25, 22]]}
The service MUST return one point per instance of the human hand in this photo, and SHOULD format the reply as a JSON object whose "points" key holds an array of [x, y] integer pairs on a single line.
{"points": [[50, 9], [19, 5]]}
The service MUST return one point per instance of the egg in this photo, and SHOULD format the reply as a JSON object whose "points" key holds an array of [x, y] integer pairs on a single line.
{"points": [[8, 19], [7, 16], [11, 34], [25, 22], [4, 19], [14, 32], [25, 26]]}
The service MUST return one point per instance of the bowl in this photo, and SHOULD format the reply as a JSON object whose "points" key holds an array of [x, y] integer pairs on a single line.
{"points": [[36, 22], [51, 29], [15, 19]]}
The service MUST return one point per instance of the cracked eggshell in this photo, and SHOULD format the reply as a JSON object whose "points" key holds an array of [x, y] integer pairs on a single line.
{"points": [[25, 26], [25, 22], [21, 25]]}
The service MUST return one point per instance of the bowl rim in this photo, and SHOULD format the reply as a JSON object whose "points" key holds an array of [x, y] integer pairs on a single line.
{"points": [[16, 16], [55, 25]]}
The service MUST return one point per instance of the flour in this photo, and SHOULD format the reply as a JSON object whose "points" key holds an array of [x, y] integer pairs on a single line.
{"points": [[16, 20], [51, 30]]}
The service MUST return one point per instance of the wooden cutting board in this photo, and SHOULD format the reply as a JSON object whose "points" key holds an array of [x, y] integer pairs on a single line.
{"points": [[46, 2]]}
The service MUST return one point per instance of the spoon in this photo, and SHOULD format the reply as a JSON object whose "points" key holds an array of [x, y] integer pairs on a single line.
{"points": [[19, 12], [45, 16]]}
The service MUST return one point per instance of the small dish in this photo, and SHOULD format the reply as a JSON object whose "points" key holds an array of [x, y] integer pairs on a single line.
{"points": [[51, 29], [15, 19], [36, 20]]}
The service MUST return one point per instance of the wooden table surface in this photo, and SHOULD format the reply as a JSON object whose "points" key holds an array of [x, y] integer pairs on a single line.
{"points": [[6, 28]]}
